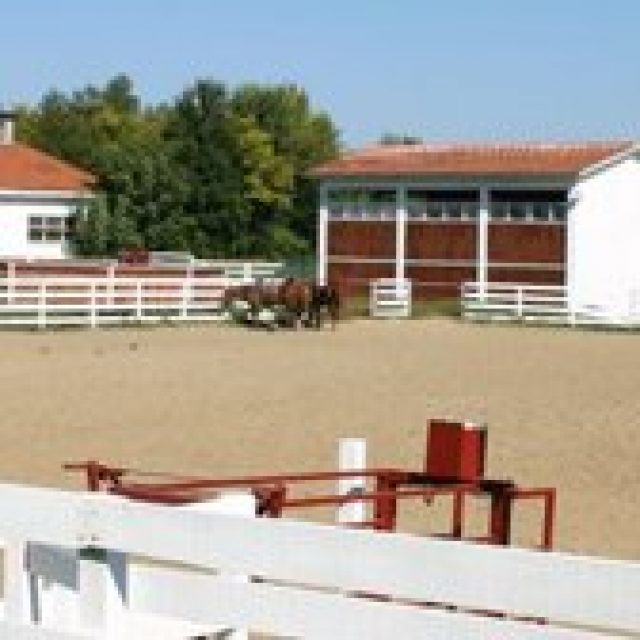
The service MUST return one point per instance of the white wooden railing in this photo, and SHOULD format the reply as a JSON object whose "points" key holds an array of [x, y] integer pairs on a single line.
{"points": [[390, 298], [544, 303], [54, 301], [243, 271], [69, 575], [513, 301]]}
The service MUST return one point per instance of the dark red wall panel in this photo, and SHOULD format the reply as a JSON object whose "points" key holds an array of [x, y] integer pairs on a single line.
{"points": [[433, 283], [362, 239], [353, 279], [527, 243], [526, 276], [441, 240]]}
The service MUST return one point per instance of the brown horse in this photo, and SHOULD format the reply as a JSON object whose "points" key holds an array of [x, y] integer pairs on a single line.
{"points": [[325, 298]]}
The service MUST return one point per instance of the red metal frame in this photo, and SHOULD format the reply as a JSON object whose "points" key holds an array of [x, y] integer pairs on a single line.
{"points": [[274, 495]]}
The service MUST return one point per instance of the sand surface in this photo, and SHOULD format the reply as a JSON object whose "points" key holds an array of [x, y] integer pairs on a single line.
{"points": [[563, 406]]}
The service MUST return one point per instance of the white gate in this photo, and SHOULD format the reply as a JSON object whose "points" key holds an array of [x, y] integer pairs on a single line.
{"points": [[390, 298]]}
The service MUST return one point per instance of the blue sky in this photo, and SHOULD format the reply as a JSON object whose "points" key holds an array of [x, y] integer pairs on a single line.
{"points": [[443, 70]]}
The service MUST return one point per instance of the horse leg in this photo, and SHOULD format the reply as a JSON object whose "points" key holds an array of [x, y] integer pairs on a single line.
{"points": [[333, 308], [317, 317]]}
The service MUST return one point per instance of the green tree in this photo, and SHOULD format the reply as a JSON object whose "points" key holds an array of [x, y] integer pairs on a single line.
{"points": [[103, 231], [301, 136], [216, 173]]}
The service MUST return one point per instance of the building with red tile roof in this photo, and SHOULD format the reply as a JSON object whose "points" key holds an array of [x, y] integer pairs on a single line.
{"points": [[440, 215], [39, 198]]}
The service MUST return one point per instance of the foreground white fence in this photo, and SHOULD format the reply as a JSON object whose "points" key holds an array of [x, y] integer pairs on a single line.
{"points": [[307, 580], [44, 302], [390, 298]]}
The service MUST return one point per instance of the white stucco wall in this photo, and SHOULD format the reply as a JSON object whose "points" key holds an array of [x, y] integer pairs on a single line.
{"points": [[604, 249], [14, 212]]}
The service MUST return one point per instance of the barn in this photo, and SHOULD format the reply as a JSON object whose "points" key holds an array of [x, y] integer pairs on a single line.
{"points": [[441, 215]]}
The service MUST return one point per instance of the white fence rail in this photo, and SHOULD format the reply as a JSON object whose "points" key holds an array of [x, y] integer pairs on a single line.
{"points": [[307, 580], [390, 298], [544, 303], [511, 301], [236, 270], [44, 302]]}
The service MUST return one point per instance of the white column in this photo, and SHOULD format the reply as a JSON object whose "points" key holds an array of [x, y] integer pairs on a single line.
{"points": [[323, 228], [482, 240], [352, 456], [570, 252], [401, 232]]}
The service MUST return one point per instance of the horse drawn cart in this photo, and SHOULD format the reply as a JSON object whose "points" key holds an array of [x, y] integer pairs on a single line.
{"points": [[290, 302]]}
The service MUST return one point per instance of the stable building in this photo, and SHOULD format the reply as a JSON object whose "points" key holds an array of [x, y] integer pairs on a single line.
{"points": [[443, 215], [39, 198]]}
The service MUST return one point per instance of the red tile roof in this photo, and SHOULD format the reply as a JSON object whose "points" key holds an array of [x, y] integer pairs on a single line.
{"points": [[23, 168], [470, 160]]}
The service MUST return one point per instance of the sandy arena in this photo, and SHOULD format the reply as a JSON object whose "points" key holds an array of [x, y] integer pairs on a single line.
{"points": [[563, 406]]}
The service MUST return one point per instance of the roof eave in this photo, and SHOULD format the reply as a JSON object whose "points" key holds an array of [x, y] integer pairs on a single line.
{"points": [[614, 158]]}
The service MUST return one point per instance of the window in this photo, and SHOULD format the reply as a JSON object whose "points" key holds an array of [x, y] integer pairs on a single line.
{"points": [[355, 204], [518, 211], [499, 211], [453, 210], [49, 228], [541, 211], [435, 210], [529, 205], [559, 212]]}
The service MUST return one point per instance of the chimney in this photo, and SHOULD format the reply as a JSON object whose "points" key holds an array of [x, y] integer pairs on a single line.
{"points": [[7, 125]]}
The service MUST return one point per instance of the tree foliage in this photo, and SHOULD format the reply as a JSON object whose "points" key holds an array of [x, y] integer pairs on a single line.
{"points": [[216, 172]]}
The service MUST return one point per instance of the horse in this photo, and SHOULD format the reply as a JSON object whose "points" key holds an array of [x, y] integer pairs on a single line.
{"points": [[327, 298]]}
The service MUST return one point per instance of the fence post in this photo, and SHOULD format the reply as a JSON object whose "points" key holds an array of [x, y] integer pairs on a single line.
{"points": [[247, 272], [352, 456], [519, 302], [186, 297], [238, 503], [571, 308], [93, 315], [11, 282], [409, 297], [139, 300], [42, 304], [103, 588], [111, 275], [20, 606]]}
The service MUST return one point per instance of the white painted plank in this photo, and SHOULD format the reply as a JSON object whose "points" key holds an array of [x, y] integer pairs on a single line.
{"points": [[474, 576], [315, 615], [24, 632]]}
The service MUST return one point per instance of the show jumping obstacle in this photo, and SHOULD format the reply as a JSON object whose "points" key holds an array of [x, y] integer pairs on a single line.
{"points": [[454, 466]]}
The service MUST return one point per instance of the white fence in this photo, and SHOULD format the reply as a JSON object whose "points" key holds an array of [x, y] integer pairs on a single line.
{"points": [[510, 301], [240, 271], [68, 576], [44, 302], [390, 298], [542, 303]]}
